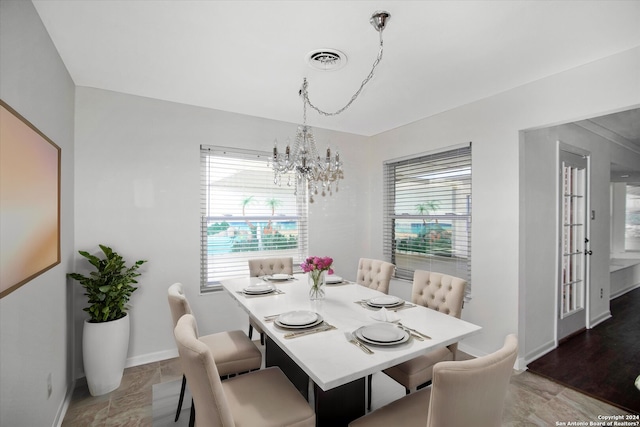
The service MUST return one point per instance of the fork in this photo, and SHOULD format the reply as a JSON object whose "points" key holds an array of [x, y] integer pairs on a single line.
{"points": [[349, 336]]}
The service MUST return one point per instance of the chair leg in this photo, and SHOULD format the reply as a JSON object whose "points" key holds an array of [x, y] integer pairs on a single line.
{"points": [[369, 388], [192, 415], [250, 331], [184, 383], [262, 338], [407, 391]]}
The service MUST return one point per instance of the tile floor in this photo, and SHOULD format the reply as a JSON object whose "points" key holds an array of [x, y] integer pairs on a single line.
{"points": [[531, 401]]}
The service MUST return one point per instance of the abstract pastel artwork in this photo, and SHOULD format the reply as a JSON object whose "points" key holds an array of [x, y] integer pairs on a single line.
{"points": [[29, 201]]}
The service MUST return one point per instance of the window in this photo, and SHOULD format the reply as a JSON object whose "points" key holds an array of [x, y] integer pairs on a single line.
{"points": [[427, 213], [244, 214], [632, 223]]}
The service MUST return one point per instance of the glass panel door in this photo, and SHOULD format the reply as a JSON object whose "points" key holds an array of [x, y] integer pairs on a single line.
{"points": [[573, 243]]}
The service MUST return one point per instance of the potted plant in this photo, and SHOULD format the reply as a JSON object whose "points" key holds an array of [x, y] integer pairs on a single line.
{"points": [[105, 336]]}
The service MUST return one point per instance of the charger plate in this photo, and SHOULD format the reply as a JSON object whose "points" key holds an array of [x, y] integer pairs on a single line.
{"points": [[258, 289], [298, 319], [385, 301], [382, 334]]}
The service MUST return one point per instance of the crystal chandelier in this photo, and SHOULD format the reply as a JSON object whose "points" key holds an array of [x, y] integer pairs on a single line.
{"points": [[320, 173]]}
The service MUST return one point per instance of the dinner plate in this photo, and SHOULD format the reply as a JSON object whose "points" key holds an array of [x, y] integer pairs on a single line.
{"points": [[259, 289], [298, 318], [382, 334], [318, 321], [278, 277], [331, 279], [385, 301]]}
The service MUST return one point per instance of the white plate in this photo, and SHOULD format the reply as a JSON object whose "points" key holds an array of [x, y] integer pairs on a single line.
{"points": [[385, 301], [298, 318], [278, 277], [259, 289], [387, 334], [318, 321], [382, 333], [333, 279]]}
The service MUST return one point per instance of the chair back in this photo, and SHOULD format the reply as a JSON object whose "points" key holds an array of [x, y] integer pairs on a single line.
{"points": [[265, 266], [375, 274], [178, 303], [472, 392], [438, 291], [211, 405]]}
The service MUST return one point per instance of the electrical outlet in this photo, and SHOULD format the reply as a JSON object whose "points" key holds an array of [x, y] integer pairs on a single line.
{"points": [[601, 292], [49, 386]]}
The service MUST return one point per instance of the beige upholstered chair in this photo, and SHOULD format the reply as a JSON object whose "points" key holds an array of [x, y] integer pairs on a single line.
{"points": [[464, 393], [375, 274], [234, 352], [439, 292], [262, 267], [260, 398]]}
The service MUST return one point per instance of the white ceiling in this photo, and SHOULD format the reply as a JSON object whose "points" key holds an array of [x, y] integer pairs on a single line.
{"points": [[249, 56]]}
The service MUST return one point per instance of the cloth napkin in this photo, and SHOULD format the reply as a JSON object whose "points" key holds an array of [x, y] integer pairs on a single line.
{"points": [[384, 315]]}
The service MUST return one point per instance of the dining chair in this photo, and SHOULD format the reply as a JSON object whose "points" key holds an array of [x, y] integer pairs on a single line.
{"points": [[234, 352], [439, 292], [463, 393], [259, 267], [375, 274], [260, 398]]}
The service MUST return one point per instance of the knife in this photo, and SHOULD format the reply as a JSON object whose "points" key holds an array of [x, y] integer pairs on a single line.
{"points": [[413, 330], [311, 331]]}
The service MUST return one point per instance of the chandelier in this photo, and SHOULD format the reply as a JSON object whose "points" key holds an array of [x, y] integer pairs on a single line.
{"points": [[303, 162]]}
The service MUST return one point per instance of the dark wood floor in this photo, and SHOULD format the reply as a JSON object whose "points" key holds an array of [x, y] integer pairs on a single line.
{"points": [[604, 361]]}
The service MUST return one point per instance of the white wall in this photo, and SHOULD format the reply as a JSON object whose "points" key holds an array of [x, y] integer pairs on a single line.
{"points": [[493, 126], [137, 190], [34, 336], [618, 217]]}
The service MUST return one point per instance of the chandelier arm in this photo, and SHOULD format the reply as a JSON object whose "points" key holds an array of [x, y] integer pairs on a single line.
{"points": [[305, 93]]}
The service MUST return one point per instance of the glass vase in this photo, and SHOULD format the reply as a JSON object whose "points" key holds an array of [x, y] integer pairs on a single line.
{"points": [[316, 284]]}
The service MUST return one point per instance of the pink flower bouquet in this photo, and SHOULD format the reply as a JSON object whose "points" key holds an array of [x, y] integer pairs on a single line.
{"points": [[315, 267]]}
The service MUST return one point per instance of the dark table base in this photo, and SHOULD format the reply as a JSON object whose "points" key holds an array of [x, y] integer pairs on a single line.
{"points": [[336, 407]]}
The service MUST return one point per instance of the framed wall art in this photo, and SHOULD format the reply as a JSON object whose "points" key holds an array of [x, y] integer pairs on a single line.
{"points": [[29, 201]]}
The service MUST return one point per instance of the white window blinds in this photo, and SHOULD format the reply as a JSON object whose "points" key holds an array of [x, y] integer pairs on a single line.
{"points": [[427, 213], [244, 214]]}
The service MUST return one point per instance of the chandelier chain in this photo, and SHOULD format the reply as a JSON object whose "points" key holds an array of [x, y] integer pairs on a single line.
{"points": [[305, 93], [301, 162]]}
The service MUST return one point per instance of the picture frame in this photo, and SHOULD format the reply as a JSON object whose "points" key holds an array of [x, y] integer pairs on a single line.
{"points": [[29, 201]]}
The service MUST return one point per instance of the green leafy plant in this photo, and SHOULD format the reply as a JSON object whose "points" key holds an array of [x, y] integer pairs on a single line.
{"points": [[109, 287]]}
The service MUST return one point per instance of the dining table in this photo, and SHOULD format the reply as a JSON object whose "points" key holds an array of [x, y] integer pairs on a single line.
{"points": [[327, 368]]}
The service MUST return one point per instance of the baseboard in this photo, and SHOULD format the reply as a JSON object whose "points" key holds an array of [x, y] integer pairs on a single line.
{"points": [[624, 291], [537, 353], [151, 357], [64, 405], [604, 316]]}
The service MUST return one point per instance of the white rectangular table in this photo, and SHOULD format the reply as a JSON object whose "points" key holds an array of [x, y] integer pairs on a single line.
{"points": [[337, 367]]}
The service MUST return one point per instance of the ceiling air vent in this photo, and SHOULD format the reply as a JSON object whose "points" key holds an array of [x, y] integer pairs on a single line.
{"points": [[326, 59]]}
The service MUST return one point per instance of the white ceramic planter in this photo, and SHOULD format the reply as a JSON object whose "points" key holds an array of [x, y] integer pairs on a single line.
{"points": [[104, 352]]}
